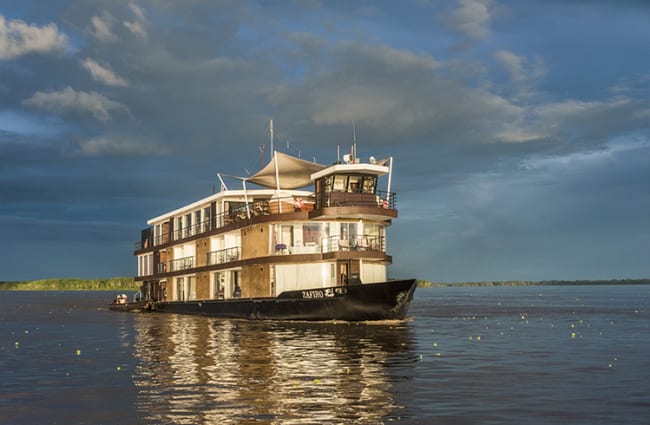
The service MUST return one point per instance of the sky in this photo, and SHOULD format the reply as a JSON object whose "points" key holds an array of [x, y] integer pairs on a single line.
{"points": [[520, 129]]}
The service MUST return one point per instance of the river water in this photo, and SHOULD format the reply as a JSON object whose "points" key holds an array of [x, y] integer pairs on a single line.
{"points": [[472, 355]]}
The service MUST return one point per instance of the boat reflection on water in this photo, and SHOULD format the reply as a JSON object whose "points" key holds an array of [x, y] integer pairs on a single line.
{"points": [[196, 370]]}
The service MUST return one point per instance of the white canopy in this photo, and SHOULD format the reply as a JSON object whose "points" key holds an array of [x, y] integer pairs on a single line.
{"points": [[285, 172]]}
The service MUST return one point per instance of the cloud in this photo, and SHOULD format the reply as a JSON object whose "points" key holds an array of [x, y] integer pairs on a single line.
{"points": [[520, 69], [136, 27], [137, 10], [580, 160], [352, 103], [71, 100], [390, 56], [592, 121], [471, 18], [576, 122], [18, 38], [118, 146], [102, 27], [103, 74]]}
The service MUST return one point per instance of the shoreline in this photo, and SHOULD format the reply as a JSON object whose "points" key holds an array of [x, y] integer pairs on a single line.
{"points": [[72, 284]]}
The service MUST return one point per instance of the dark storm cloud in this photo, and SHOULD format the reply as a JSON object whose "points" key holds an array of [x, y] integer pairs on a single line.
{"points": [[124, 110]]}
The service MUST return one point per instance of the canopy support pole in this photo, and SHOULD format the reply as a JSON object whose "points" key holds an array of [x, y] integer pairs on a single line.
{"points": [[390, 175], [277, 180], [248, 210]]}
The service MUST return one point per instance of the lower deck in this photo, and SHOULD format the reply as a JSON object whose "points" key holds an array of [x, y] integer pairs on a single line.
{"points": [[263, 280]]}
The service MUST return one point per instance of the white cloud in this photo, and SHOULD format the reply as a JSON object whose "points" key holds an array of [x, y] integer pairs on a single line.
{"points": [[118, 146], [137, 10], [390, 56], [512, 133], [71, 100], [102, 27], [18, 38], [471, 18], [581, 159], [103, 74], [136, 28], [520, 68]]}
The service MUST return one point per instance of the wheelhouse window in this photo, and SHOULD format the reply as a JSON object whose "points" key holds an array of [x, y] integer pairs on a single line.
{"points": [[369, 184], [340, 183], [350, 183]]}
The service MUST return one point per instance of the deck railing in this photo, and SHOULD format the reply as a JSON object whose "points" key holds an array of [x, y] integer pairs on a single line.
{"points": [[369, 243], [181, 264], [372, 243], [223, 256], [380, 199], [255, 208]]}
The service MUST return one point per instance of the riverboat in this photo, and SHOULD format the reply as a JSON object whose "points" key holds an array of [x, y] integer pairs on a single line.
{"points": [[308, 243]]}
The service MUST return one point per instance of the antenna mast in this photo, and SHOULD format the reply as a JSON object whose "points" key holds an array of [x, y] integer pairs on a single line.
{"points": [[271, 130], [354, 143]]}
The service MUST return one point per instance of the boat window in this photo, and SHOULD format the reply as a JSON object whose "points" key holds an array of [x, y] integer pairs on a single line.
{"points": [[340, 183], [369, 184], [354, 183], [373, 229], [311, 233], [236, 206], [284, 235], [348, 231]]}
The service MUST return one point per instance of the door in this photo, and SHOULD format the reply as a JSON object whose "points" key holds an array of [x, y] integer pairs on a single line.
{"points": [[342, 275], [349, 272]]}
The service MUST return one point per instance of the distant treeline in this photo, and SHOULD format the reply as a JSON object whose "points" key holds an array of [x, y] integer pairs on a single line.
{"points": [[114, 283], [428, 284]]}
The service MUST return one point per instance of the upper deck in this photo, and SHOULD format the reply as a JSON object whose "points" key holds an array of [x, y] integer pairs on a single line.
{"points": [[341, 191]]}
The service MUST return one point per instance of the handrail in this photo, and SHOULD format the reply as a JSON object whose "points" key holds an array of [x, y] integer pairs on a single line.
{"points": [[379, 199], [370, 243], [223, 256], [255, 208], [181, 264]]}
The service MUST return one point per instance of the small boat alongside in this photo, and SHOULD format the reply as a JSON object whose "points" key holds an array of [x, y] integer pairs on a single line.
{"points": [[280, 251], [122, 303]]}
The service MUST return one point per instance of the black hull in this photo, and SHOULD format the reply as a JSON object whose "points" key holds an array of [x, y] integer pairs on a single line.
{"points": [[376, 301]]}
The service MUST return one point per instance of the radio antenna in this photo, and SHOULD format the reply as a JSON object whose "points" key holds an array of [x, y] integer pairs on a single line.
{"points": [[271, 130], [354, 143]]}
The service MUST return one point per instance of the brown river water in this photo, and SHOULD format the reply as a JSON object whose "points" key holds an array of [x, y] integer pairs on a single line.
{"points": [[473, 355]]}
